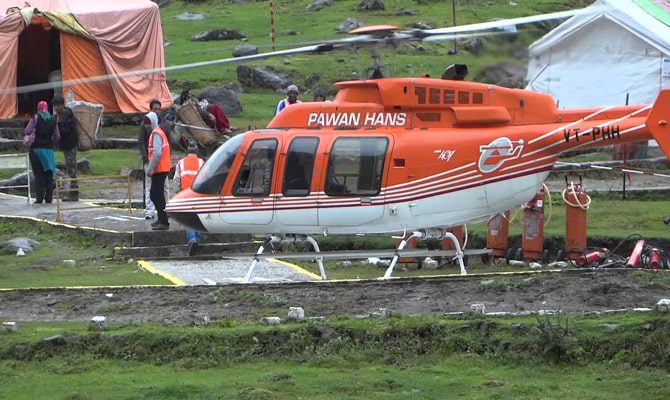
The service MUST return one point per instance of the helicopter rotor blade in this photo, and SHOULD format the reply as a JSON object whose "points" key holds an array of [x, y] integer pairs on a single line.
{"points": [[506, 24]]}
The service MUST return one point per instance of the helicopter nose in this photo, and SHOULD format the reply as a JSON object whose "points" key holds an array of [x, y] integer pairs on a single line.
{"points": [[188, 219]]}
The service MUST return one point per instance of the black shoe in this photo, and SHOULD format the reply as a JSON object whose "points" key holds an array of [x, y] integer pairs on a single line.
{"points": [[160, 227], [157, 222], [192, 247]]}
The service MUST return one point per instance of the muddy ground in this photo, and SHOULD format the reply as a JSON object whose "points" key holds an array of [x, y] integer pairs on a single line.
{"points": [[567, 291]]}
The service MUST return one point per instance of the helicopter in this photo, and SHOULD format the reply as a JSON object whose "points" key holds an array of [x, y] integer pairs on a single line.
{"points": [[412, 154]]}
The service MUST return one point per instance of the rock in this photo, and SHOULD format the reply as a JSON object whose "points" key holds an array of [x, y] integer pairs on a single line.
{"points": [[263, 77], [641, 309], [429, 263], [234, 86], [167, 44], [487, 282], [421, 25], [286, 61], [610, 327], [10, 326], [98, 323], [494, 384], [528, 281], [56, 340], [371, 5], [218, 34], [344, 264], [535, 265], [12, 246], [473, 45], [477, 308], [503, 74], [318, 5], [404, 12], [647, 327], [187, 16], [296, 314], [317, 319], [416, 392], [227, 99], [18, 349], [289, 32], [663, 305], [348, 25], [83, 165], [69, 263], [271, 320], [242, 50], [52, 303], [161, 3]]}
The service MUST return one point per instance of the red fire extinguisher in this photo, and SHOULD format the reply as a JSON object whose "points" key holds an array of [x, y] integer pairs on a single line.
{"points": [[532, 241], [498, 232], [655, 260], [635, 259], [577, 202], [591, 257]]}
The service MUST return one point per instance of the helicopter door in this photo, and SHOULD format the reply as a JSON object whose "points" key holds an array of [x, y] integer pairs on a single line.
{"points": [[252, 201], [297, 205], [353, 182]]}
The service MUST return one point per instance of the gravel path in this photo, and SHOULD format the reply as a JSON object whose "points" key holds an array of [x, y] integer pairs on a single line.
{"points": [[228, 271]]}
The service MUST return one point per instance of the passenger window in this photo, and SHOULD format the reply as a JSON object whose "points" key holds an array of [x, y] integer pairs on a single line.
{"points": [[463, 97], [449, 97], [434, 96], [255, 177], [299, 166], [477, 98], [420, 93], [355, 166]]}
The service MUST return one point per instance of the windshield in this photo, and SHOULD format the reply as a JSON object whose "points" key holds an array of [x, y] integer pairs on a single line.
{"points": [[213, 174]]}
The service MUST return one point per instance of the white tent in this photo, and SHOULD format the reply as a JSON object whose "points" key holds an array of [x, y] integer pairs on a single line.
{"points": [[596, 59]]}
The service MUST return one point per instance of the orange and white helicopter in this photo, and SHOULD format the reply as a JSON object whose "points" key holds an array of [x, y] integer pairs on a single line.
{"points": [[392, 155]]}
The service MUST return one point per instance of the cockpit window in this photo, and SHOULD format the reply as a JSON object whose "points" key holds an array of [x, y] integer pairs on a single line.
{"points": [[213, 174]]}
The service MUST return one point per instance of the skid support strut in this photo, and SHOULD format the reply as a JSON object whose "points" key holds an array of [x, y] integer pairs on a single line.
{"points": [[261, 249], [276, 239], [422, 235], [401, 246]]}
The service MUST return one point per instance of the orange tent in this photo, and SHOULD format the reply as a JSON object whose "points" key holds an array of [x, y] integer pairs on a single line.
{"points": [[80, 39]]}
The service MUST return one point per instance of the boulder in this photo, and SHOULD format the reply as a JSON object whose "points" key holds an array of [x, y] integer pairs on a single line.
{"points": [[242, 50], [227, 99], [421, 25], [187, 16], [318, 5], [348, 25], [218, 34], [289, 32], [473, 45], [12, 246], [405, 12], [263, 77], [182, 83], [234, 86], [503, 74], [83, 165], [371, 5], [17, 180]]}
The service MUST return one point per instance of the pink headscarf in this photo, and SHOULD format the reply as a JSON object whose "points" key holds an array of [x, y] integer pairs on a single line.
{"points": [[42, 106]]}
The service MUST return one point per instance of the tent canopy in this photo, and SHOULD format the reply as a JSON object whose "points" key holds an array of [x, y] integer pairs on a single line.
{"points": [[596, 59], [83, 38]]}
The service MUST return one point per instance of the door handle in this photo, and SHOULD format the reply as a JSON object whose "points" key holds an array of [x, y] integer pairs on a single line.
{"points": [[257, 200], [366, 200]]}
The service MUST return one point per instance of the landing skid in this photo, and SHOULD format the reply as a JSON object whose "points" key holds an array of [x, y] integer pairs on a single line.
{"points": [[457, 254]]}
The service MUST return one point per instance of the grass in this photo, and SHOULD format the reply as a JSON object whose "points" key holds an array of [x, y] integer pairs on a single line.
{"points": [[44, 266], [397, 357]]}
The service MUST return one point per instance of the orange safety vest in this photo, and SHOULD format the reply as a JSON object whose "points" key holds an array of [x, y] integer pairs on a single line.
{"points": [[164, 162], [189, 167]]}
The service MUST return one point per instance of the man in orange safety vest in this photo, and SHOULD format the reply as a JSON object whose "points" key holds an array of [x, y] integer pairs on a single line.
{"points": [[185, 171], [158, 169]]}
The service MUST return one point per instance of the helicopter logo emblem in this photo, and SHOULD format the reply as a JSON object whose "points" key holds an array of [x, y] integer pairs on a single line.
{"points": [[498, 152]]}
